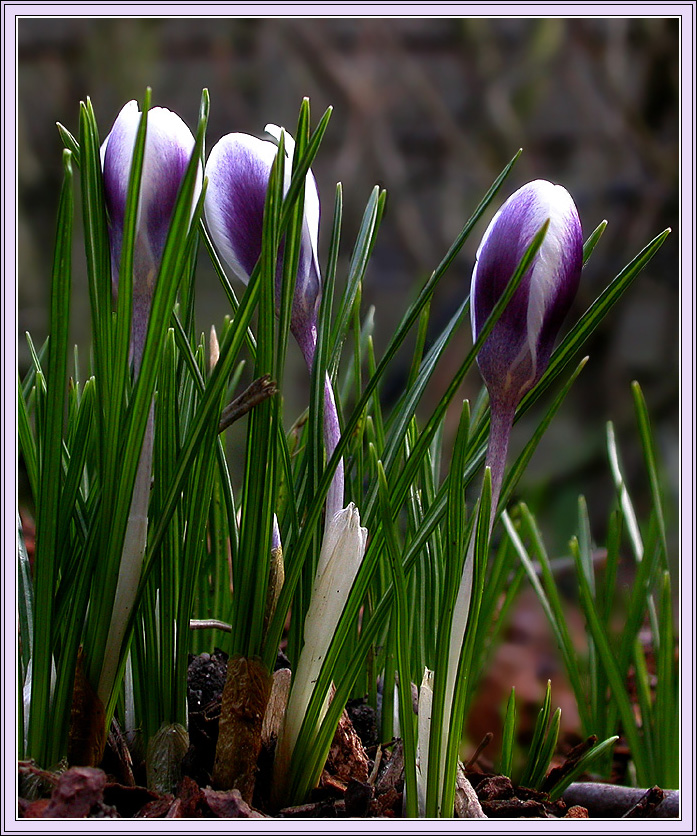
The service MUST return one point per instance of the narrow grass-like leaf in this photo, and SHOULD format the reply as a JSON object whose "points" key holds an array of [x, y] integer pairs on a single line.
{"points": [[508, 737], [520, 464], [648, 448], [547, 751], [612, 671], [592, 240], [27, 445], [538, 739], [39, 737], [590, 320], [81, 446], [582, 766], [70, 143], [25, 603], [401, 614], [550, 601], [667, 701], [357, 268], [464, 669], [97, 253], [260, 461], [403, 329], [448, 618], [630, 519], [182, 228]]}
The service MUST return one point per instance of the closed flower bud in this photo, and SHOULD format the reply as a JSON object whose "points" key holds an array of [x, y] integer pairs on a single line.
{"points": [[168, 147], [517, 351], [341, 555], [238, 171]]}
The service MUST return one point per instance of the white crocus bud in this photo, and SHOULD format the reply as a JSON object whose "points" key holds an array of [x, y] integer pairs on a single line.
{"points": [[340, 558], [424, 730]]}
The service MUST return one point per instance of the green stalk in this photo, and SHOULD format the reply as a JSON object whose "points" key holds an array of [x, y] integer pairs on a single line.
{"points": [[401, 614], [39, 734]]}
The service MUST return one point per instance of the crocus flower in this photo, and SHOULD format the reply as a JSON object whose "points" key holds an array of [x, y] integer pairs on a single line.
{"points": [[341, 555], [517, 351], [238, 171], [168, 147]]}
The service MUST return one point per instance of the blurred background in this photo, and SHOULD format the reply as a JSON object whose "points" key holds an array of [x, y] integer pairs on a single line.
{"points": [[431, 110]]}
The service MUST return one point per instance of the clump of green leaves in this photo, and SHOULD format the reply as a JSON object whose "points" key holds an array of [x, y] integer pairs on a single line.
{"points": [[618, 649], [209, 554]]}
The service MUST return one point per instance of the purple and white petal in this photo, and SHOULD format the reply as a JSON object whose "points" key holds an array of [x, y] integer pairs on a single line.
{"points": [[238, 171], [168, 147], [518, 349]]}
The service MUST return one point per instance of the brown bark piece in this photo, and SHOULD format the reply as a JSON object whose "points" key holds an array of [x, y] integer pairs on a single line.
{"points": [[495, 788], [347, 758], [87, 736], [191, 797], [34, 809], [276, 708], [390, 785], [245, 697], [158, 808], [358, 798], [229, 804], [77, 792]]}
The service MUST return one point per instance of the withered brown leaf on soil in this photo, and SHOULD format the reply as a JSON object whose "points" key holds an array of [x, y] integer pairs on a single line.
{"points": [[78, 793]]}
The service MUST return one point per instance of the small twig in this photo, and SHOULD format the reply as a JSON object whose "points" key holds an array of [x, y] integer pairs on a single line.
{"points": [[647, 805], [257, 391], [376, 766], [209, 624], [486, 740], [612, 801]]}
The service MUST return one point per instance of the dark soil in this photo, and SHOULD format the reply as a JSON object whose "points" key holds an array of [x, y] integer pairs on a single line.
{"points": [[362, 778]]}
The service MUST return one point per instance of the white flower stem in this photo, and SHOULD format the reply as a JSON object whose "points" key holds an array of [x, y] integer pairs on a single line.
{"points": [[501, 424], [307, 341], [131, 563]]}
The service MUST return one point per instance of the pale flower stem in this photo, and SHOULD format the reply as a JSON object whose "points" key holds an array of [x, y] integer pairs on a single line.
{"points": [[499, 434], [332, 435], [131, 563], [135, 539], [502, 416], [332, 431]]}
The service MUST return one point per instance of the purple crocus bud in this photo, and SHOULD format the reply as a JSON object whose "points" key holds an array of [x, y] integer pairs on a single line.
{"points": [[517, 351], [168, 147], [238, 171]]}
